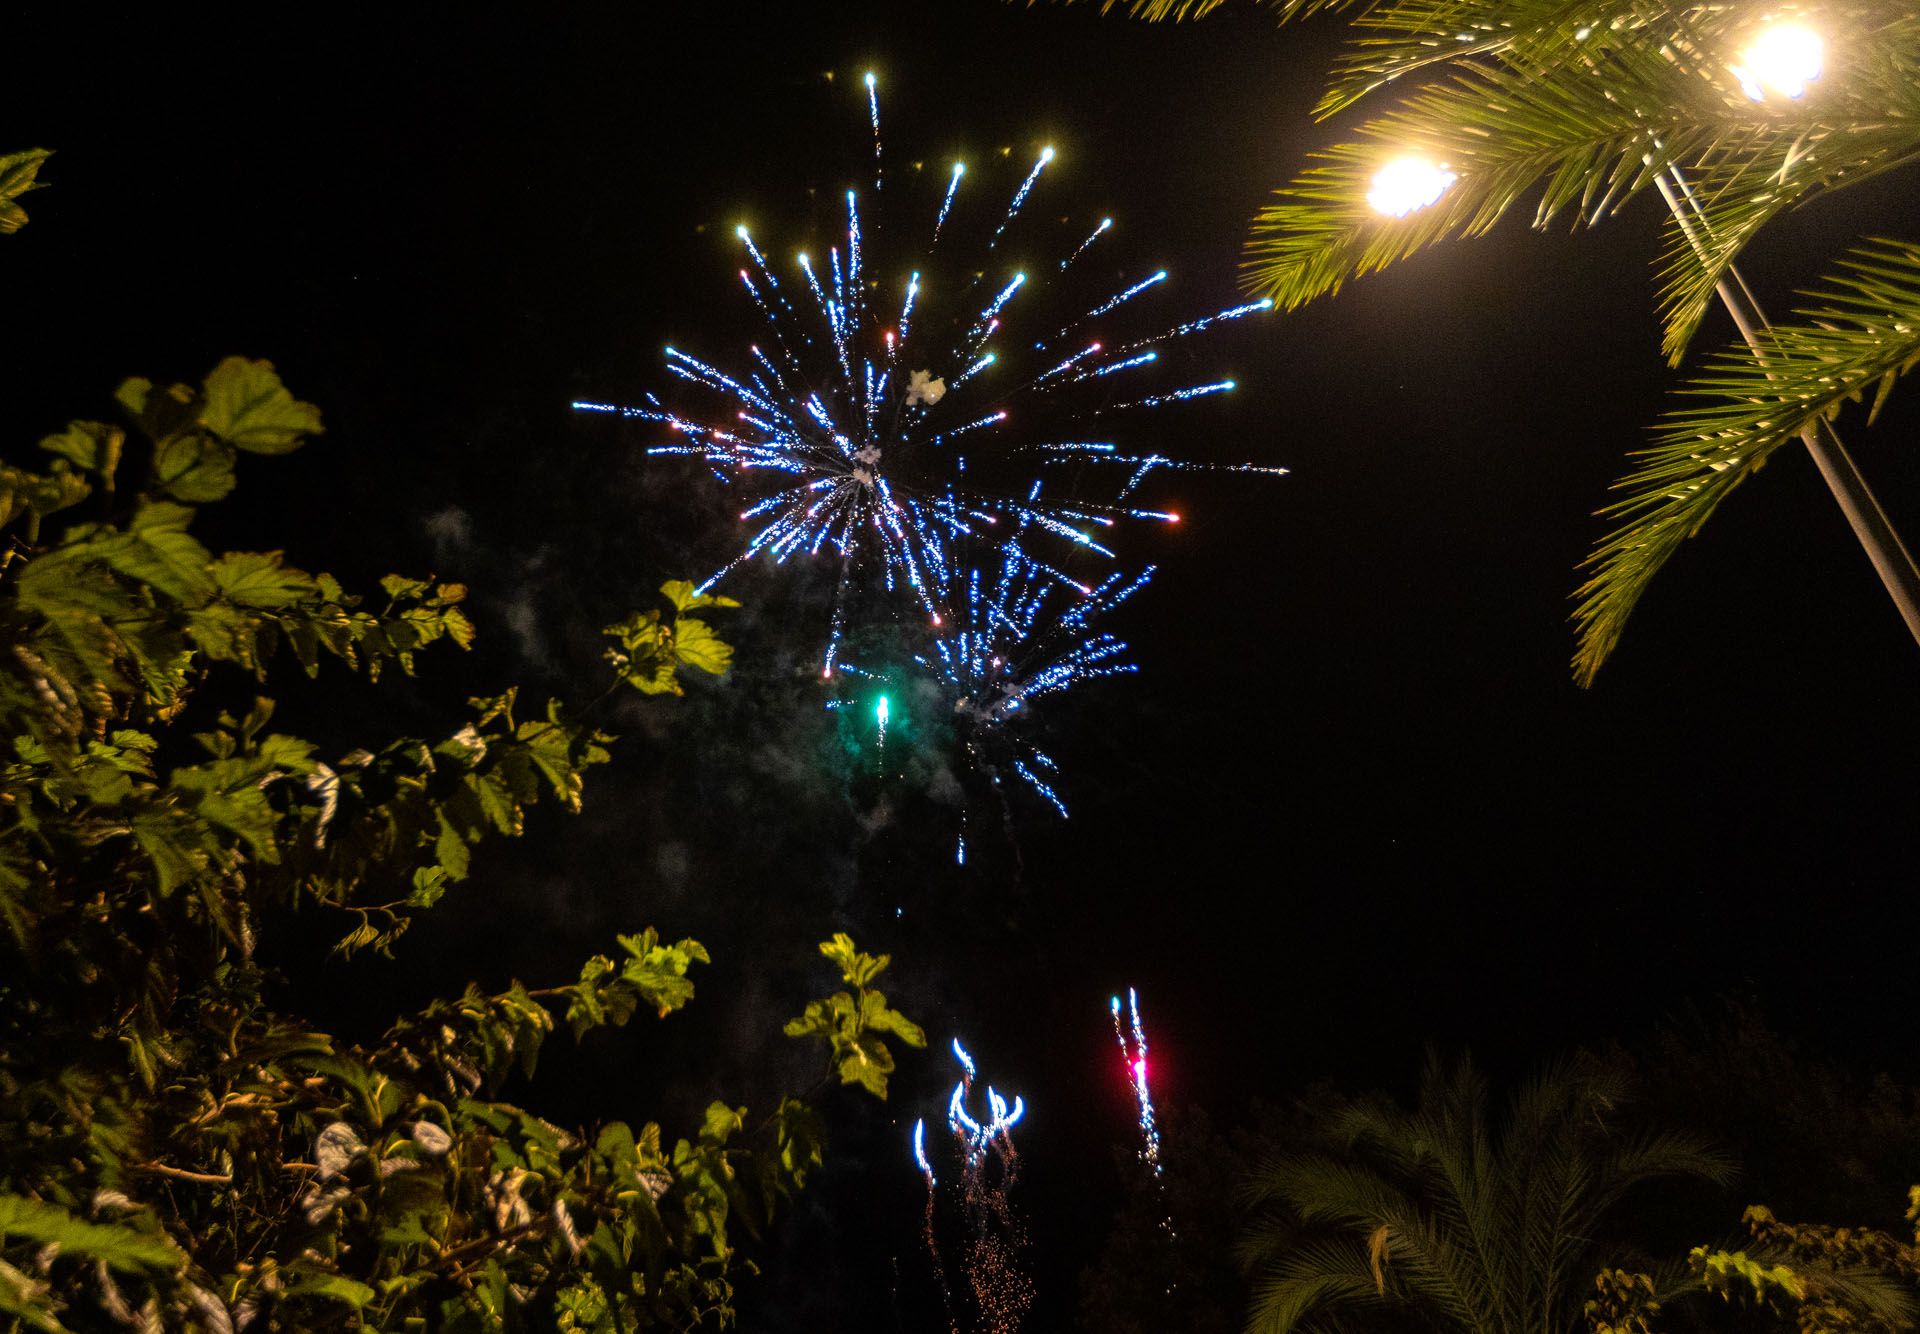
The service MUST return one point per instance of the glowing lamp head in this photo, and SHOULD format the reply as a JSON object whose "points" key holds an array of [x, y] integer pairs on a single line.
{"points": [[1781, 60], [1408, 184]]}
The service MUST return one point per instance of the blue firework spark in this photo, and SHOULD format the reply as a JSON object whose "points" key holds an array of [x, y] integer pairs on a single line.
{"points": [[899, 413], [1012, 641]]}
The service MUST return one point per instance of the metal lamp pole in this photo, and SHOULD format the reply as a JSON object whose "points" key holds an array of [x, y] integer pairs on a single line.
{"points": [[1890, 557]]}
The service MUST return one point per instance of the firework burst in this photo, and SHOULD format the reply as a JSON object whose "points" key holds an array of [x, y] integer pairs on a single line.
{"points": [[899, 412], [1007, 642]]}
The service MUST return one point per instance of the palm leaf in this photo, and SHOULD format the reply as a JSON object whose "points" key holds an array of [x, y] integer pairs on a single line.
{"points": [[1313, 1278], [1866, 124], [1861, 337], [1486, 1229], [1176, 11], [1572, 140]]}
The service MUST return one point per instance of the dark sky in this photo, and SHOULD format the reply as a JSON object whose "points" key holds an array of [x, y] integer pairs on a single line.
{"points": [[1352, 804]]}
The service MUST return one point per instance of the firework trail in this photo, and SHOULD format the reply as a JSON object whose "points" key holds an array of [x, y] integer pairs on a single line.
{"points": [[1132, 1038], [895, 416], [927, 1233], [993, 1241], [1134, 1054]]}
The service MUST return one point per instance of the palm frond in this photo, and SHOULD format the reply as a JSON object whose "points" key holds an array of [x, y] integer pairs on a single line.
{"points": [[1580, 127], [1429, 1256], [1585, 139], [1178, 11], [1888, 1300], [1406, 37], [1311, 1279], [1861, 338], [1866, 125]]}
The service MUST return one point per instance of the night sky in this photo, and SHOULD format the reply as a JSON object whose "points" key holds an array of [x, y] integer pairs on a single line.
{"points": [[1351, 805]]}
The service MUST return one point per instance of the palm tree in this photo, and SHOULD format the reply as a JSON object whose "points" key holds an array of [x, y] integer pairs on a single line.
{"points": [[1444, 1216], [1569, 109]]}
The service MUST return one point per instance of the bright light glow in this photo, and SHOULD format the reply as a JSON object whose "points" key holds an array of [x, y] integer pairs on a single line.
{"points": [[1782, 59], [1133, 1050], [1407, 184]]}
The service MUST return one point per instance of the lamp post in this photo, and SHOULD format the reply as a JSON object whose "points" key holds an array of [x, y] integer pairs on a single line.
{"points": [[1781, 60]]}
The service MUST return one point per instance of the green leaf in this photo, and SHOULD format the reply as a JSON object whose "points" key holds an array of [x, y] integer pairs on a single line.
{"points": [[402, 589], [193, 466], [121, 1247], [332, 1287], [680, 592], [878, 1017], [157, 550], [176, 861], [17, 173], [722, 1123], [247, 406], [450, 850], [132, 395], [92, 446], [800, 1138], [856, 969], [698, 646], [260, 579], [659, 972], [40, 493]]}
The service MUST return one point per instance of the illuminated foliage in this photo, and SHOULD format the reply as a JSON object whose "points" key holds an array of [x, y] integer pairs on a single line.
{"points": [[176, 1151], [18, 173], [1810, 1277]]}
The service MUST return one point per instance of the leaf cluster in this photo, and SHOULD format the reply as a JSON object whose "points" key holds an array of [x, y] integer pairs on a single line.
{"points": [[176, 1151], [855, 1024], [649, 649], [18, 174], [1816, 1278]]}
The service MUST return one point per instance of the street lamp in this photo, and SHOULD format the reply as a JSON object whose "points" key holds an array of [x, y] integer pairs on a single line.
{"points": [[1408, 184], [1782, 59]]}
